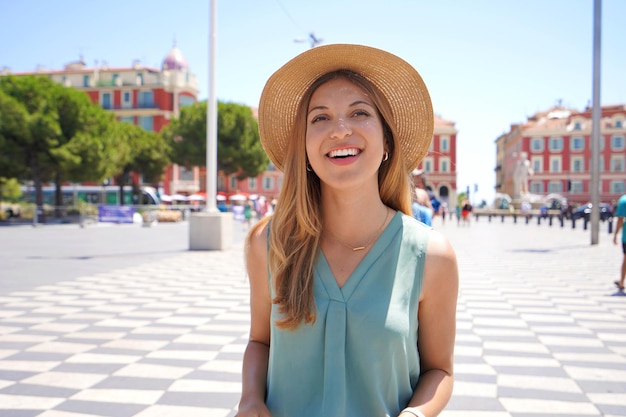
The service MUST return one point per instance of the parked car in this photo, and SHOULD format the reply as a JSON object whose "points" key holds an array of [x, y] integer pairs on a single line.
{"points": [[584, 212]]}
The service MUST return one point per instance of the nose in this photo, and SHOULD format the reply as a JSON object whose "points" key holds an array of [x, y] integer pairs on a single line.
{"points": [[341, 129]]}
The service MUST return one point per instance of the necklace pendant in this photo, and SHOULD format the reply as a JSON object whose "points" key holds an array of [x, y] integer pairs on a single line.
{"points": [[358, 248]]}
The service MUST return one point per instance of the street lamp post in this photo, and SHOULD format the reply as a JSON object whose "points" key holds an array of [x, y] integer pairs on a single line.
{"points": [[595, 124], [211, 229]]}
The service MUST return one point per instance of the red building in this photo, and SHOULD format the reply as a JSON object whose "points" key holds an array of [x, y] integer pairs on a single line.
{"points": [[558, 145], [439, 165], [150, 98], [145, 96]]}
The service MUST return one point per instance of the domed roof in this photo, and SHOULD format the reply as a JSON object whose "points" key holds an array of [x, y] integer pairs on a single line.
{"points": [[175, 60]]}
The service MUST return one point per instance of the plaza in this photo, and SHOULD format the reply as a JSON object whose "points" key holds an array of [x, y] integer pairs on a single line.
{"points": [[124, 321]]}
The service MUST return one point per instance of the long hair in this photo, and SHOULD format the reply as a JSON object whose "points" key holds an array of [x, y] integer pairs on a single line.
{"points": [[296, 225]]}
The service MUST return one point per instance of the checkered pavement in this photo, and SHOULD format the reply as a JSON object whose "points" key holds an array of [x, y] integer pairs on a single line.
{"points": [[541, 332], [154, 340]]}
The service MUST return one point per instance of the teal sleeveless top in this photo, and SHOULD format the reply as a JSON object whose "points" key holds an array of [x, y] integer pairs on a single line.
{"points": [[360, 357]]}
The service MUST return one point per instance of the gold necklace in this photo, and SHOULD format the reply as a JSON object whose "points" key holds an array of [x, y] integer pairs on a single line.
{"points": [[369, 242]]}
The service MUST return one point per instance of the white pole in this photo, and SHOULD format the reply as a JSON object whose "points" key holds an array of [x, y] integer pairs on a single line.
{"points": [[595, 124], [211, 119]]}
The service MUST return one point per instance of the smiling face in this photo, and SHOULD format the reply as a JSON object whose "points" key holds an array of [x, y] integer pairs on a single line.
{"points": [[344, 134]]}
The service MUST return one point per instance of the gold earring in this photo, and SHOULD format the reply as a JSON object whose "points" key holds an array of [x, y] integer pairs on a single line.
{"points": [[386, 156]]}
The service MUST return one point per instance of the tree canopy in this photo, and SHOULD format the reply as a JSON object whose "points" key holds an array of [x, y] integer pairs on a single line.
{"points": [[49, 132], [239, 149]]}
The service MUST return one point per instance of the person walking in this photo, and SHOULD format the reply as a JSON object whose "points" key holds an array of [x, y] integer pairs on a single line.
{"points": [[353, 301], [422, 210], [620, 213]]}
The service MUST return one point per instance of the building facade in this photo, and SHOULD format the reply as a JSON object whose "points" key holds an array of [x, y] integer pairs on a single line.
{"points": [[557, 144], [151, 97], [439, 164]]}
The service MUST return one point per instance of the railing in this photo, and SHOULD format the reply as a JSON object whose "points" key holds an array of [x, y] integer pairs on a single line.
{"points": [[549, 217]]}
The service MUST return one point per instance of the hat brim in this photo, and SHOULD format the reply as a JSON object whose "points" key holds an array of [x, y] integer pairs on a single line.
{"points": [[396, 79]]}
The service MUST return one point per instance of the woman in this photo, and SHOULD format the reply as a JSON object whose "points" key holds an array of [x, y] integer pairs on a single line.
{"points": [[341, 273]]}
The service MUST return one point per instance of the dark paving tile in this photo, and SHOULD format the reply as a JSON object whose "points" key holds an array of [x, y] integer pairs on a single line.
{"points": [[100, 408]]}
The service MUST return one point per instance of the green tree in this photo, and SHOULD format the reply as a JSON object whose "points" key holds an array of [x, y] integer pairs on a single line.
{"points": [[10, 189], [239, 149], [141, 152], [56, 134], [33, 133], [88, 149]]}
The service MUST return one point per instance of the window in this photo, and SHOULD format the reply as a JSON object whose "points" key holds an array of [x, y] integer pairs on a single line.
{"points": [[577, 187], [536, 145], [444, 165], [146, 122], [268, 183], [555, 187], [618, 124], [445, 143], [85, 80], [127, 119], [115, 79], [184, 101], [555, 164], [577, 164], [618, 187], [185, 174], [252, 183], [105, 101], [127, 100], [139, 79], [537, 163], [233, 182], [536, 187], [145, 99], [617, 143], [617, 163], [577, 143], [577, 126], [427, 165], [556, 144]]}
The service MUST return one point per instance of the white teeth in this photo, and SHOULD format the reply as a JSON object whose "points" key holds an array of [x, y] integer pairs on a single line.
{"points": [[343, 152]]}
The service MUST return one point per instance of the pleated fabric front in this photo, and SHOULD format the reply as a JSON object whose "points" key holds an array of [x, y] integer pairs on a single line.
{"points": [[360, 356]]}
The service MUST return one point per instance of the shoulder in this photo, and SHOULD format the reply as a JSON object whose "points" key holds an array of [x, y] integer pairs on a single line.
{"points": [[440, 268], [257, 242], [433, 243]]}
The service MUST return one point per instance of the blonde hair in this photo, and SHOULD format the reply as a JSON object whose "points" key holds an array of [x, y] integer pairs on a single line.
{"points": [[296, 225]]}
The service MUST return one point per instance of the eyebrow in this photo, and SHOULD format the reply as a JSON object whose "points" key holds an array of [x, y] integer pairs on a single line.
{"points": [[355, 103]]}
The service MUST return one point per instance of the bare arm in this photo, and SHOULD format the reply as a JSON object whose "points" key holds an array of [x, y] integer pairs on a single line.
{"points": [[437, 329], [618, 228], [255, 359]]}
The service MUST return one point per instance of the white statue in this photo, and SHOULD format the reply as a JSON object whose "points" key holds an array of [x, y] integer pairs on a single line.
{"points": [[521, 175]]}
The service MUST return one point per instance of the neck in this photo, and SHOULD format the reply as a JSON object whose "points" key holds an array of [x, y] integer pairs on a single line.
{"points": [[360, 236]]}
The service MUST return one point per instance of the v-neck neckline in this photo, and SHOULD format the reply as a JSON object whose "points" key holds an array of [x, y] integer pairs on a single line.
{"points": [[354, 278]]}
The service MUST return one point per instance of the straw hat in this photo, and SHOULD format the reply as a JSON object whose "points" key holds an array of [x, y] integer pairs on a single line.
{"points": [[397, 80]]}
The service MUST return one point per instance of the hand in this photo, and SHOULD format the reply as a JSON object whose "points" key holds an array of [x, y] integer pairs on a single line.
{"points": [[253, 410], [615, 239]]}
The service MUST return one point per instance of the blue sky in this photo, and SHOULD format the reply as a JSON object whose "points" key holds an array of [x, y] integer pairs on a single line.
{"points": [[487, 63]]}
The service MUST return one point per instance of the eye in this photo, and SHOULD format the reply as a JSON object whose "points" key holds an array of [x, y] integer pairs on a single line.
{"points": [[318, 118], [361, 113]]}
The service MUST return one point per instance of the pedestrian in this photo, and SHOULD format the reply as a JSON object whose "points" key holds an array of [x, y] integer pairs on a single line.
{"points": [[466, 210], [341, 271], [422, 210], [247, 215], [620, 213]]}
